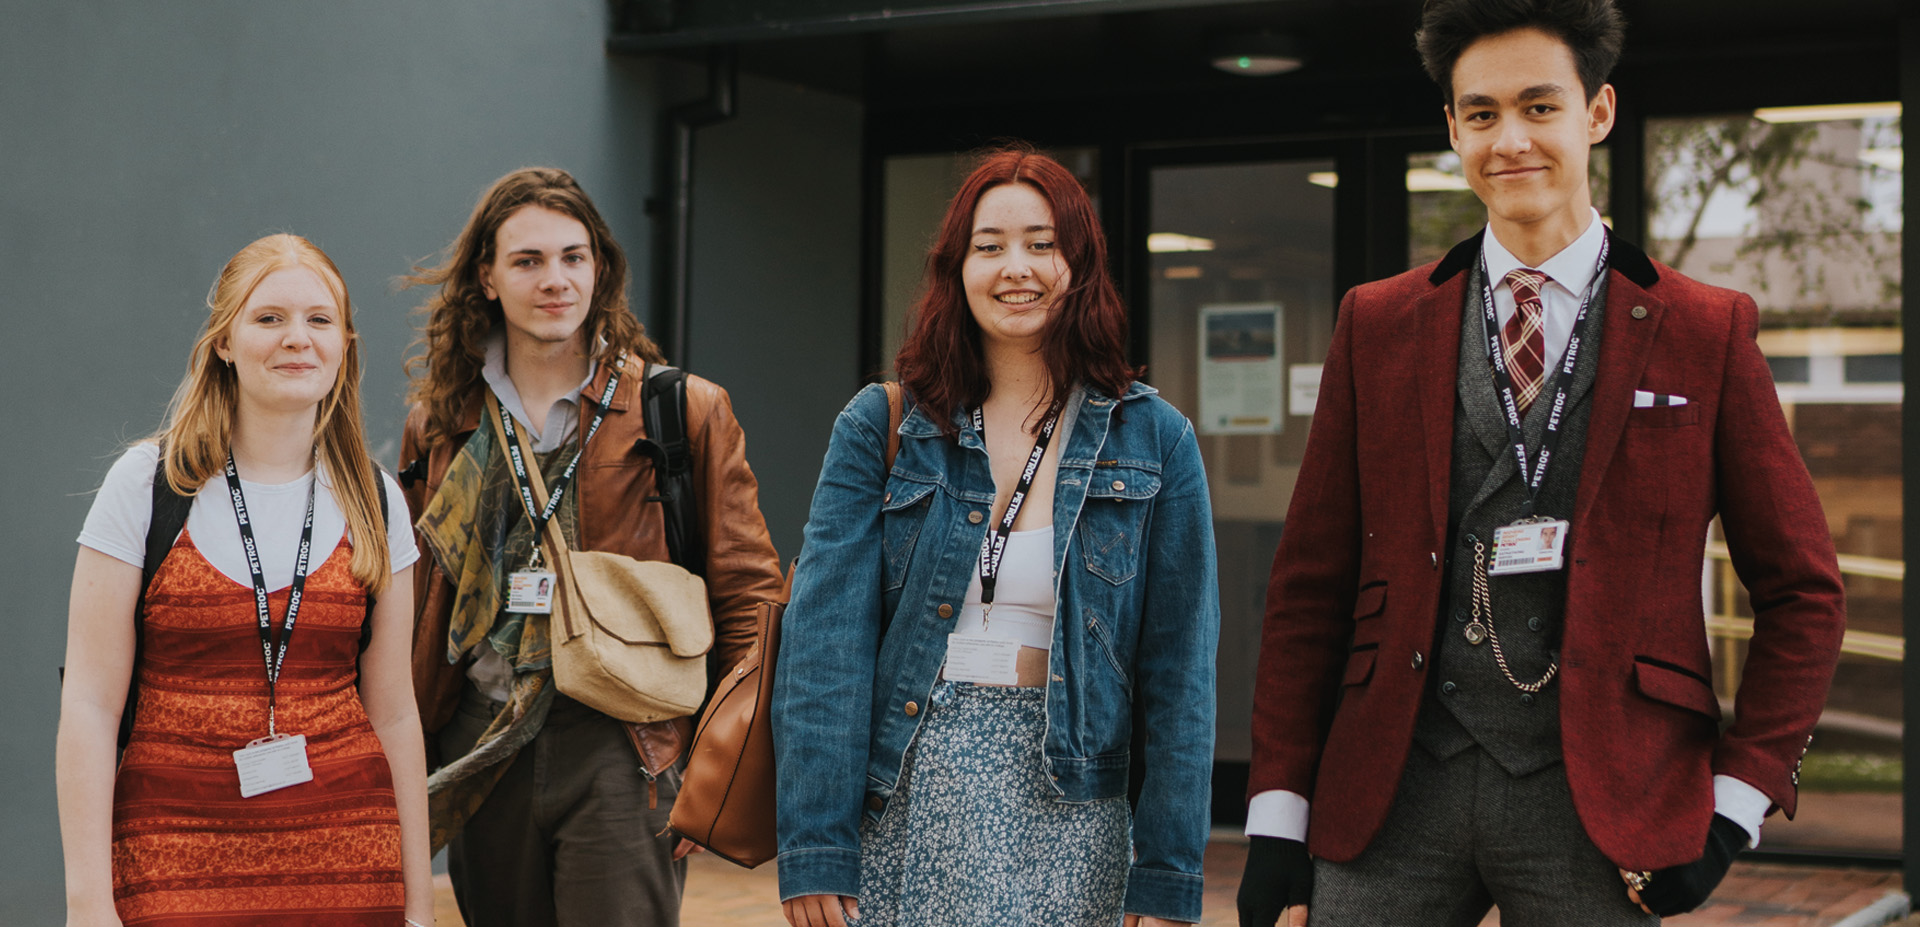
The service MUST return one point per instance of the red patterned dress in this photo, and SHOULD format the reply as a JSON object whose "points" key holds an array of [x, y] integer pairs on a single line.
{"points": [[187, 849]]}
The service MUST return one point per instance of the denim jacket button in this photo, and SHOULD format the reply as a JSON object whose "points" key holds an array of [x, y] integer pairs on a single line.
{"points": [[975, 517], [876, 803], [946, 611], [887, 498], [913, 708], [1119, 485]]}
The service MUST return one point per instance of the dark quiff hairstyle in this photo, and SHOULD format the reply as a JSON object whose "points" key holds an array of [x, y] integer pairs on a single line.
{"points": [[1592, 29], [459, 316], [1085, 340]]}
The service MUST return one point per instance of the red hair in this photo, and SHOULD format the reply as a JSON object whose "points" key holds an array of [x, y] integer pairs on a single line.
{"points": [[1085, 341]]}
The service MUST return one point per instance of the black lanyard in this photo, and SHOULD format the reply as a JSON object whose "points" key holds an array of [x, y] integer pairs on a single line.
{"points": [[559, 487], [994, 546], [1536, 473], [275, 656]]}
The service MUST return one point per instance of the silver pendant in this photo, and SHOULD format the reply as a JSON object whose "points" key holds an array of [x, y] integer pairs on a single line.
{"points": [[1475, 632]]}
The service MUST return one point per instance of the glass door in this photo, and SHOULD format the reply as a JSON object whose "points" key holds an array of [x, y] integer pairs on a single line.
{"points": [[1239, 306], [1801, 208]]}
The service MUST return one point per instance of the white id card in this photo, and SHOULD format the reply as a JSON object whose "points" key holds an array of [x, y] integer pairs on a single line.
{"points": [[272, 763], [988, 660], [1531, 547], [530, 592]]}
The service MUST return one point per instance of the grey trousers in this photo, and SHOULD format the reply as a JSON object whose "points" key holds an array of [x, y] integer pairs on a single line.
{"points": [[1464, 837], [566, 838]]}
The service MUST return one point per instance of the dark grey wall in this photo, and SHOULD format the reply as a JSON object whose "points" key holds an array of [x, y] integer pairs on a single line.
{"points": [[776, 281], [143, 144]]}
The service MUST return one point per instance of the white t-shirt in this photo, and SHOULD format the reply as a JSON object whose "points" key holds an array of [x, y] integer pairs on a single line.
{"points": [[117, 523]]}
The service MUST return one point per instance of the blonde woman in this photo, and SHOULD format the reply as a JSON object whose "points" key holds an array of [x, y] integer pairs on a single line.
{"points": [[274, 771]]}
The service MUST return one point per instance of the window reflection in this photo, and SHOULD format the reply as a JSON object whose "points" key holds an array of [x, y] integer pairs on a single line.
{"points": [[1241, 314], [1801, 208]]}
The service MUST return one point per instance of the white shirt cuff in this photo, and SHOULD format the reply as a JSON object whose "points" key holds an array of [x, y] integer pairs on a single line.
{"points": [[1733, 799], [1278, 813]]}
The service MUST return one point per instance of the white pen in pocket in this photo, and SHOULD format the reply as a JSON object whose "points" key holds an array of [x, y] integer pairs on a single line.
{"points": [[1643, 399]]}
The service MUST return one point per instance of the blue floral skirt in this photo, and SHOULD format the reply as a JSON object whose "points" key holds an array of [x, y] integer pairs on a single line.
{"points": [[974, 838]]}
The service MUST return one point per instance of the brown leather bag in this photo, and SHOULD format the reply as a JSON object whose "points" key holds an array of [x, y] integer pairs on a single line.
{"points": [[726, 801]]}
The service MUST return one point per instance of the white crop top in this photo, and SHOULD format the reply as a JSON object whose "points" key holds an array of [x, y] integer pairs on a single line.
{"points": [[1023, 599]]}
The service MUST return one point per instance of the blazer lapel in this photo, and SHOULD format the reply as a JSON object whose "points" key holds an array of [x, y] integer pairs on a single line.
{"points": [[1439, 315], [1478, 394], [1626, 343]]}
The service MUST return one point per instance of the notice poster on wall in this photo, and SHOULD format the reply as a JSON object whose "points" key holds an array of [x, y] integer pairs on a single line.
{"points": [[1303, 388], [1242, 379]]}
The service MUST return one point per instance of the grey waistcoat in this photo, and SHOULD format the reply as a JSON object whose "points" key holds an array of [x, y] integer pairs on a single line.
{"points": [[1469, 701]]}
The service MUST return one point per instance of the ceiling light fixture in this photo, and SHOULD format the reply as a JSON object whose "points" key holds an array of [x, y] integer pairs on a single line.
{"points": [[1419, 180], [1835, 113], [1260, 54], [1174, 242]]}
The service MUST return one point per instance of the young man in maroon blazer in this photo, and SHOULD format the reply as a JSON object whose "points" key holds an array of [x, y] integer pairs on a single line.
{"points": [[1484, 669]]}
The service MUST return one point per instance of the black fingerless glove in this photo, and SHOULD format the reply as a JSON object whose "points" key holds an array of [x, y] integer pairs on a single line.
{"points": [[1679, 889], [1279, 875]]}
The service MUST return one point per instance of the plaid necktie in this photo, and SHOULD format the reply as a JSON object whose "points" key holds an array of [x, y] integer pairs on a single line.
{"points": [[1523, 340]]}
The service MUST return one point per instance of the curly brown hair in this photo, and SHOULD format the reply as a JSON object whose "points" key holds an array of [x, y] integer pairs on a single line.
{"points": [[460, 316]]}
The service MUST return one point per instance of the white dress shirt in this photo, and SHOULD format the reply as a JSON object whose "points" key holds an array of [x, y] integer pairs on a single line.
{"points": [[1568, 274], [1279, 813]]}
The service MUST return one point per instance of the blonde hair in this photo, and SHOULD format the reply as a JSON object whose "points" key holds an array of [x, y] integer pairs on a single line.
{"points": [[198, 434]]}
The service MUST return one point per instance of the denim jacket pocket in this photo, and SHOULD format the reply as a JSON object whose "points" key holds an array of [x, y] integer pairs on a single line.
{"points": [[1113, 519], [903, 512]]}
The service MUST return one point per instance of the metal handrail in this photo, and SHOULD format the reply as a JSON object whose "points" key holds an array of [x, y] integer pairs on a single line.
{"points": [[1726, 624]]}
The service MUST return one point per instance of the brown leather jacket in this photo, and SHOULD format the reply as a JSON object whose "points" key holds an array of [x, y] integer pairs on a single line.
{"points": [[613, 479]]}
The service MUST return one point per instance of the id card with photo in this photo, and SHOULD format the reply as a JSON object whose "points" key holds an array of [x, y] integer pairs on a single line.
{"points": [[1529, 547], [988, 660], [530, 592], [272, 763]]}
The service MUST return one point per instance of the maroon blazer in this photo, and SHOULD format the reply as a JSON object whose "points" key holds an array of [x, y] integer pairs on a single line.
{"points": [[1353, 600]]}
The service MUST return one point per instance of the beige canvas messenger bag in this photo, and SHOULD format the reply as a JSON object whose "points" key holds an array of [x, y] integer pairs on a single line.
{"points": [[630, 637]]}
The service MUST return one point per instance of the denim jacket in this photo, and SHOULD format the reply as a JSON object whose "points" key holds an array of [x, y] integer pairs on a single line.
{"points": [[883, 573]]}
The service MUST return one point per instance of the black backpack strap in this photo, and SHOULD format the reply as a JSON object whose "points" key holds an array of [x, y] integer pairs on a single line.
{"points": [[169, 518], [663, 402], [386, 521]]}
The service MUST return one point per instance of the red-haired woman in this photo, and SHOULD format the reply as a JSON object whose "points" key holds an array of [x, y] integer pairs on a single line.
{"points": [[1033, 574], [275, 771]]}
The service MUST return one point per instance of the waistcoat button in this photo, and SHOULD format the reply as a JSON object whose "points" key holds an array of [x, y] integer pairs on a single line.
{"points": [[1449, 688], [913, 708], [1460, 615], [946, 611], [1526, 698], [1535, 624], [1468, 541], [975, 517]]}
